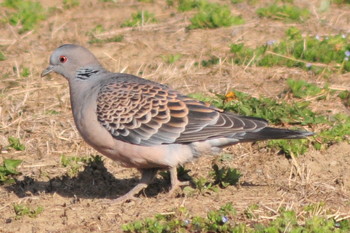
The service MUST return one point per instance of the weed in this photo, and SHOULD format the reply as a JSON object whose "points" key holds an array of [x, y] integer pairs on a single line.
{"points": [[337, 131], [310, 53], [118, 38], [187, 5], [9, 169], [23, 210], [285, 12], [147, 1], [345, 97], [290, 147], [203, 185], [25, 72], [276, 112], [76, 163], [171, 58], [27, 13], [16, 144], [182, 174], [335, 128], [225, 176], [249, 212], [252, 2], [108, 0], [216, 221], [98, 29], [52, 112], [67, 4], [213, 15], [2, 56], [210, 62], [303, 89], [225, 219], [341, 1], [139, 18]]}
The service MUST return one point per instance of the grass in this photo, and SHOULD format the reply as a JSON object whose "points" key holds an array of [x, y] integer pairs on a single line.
{"points": [[302, 89], [23, 210], [209, 62], [8, 170], [74, 164], [208, 14], [67, 4], [345, 97], [316, 54], [26, 13], [171, 58], [118, 38], [2, 56], [16, 144], [225, 176], [335, 128], [213, 15], [286, 12], [139, 18], [225, 219]]}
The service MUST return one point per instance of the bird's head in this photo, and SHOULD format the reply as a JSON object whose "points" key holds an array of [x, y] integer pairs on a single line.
{"points": [[68, 59]]}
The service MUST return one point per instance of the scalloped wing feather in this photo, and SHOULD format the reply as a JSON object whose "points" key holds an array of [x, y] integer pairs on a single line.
{"points": [[149, 114]]}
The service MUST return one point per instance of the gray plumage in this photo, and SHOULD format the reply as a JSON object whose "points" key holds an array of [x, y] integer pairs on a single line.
{"points": [[147, 125]]}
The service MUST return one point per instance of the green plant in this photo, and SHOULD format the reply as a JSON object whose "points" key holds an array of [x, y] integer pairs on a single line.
{"points": [[303, 89], [25, 72], [335, 128], [187, 5], [2, 56], [225, 176], [182, 174], [171, 58], [23, 210], [341, 1], [216, 221], [311, 53], [67, 4], [225, 219], [212, 61], [345, 97], [16, 144], [285, 12], [27, 13], [118, 38], [139, 18], [213, 15], [8, 169], [74, 164], [51, 112]]}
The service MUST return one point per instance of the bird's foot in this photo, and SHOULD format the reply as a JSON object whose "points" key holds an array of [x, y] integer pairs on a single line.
{"points": [[175, 183], [147, 176], [176, 186]]}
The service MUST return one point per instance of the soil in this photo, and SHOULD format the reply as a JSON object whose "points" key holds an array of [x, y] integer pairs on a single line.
{"points": [[79, 203]]}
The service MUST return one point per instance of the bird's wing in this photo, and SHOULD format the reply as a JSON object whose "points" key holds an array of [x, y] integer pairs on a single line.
{"points": [[149, 114]]}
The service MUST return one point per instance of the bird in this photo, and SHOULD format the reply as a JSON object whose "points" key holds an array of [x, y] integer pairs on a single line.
{"points": [[146, 125]]}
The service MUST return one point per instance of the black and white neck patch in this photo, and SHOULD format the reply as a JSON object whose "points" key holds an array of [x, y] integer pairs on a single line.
{"points": [[85, 73]]}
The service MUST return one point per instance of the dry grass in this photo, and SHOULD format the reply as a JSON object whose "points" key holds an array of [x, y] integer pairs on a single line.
{"points": [[75, 204]]}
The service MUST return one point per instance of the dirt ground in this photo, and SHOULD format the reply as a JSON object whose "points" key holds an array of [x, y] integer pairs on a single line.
{"points": [[76, 204]]}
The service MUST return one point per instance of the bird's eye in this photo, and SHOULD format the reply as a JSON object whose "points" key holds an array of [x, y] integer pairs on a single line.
{"points": [[63, 59]]}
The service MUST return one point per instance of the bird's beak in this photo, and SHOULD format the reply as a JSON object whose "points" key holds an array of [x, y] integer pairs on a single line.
{"points": [[47, 71]]}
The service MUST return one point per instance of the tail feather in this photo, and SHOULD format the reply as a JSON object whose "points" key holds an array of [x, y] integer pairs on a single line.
{"points": [[274, 133]]}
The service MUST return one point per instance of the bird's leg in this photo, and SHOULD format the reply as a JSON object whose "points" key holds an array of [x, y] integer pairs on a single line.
{"points": [[175, 183], [147, 176]]}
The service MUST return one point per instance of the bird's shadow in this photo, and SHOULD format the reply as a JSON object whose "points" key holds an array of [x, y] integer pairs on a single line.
{"points": [[93, 182]]}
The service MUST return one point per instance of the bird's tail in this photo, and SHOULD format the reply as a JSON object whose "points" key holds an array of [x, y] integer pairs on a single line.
{"points": [[274, 133]]}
